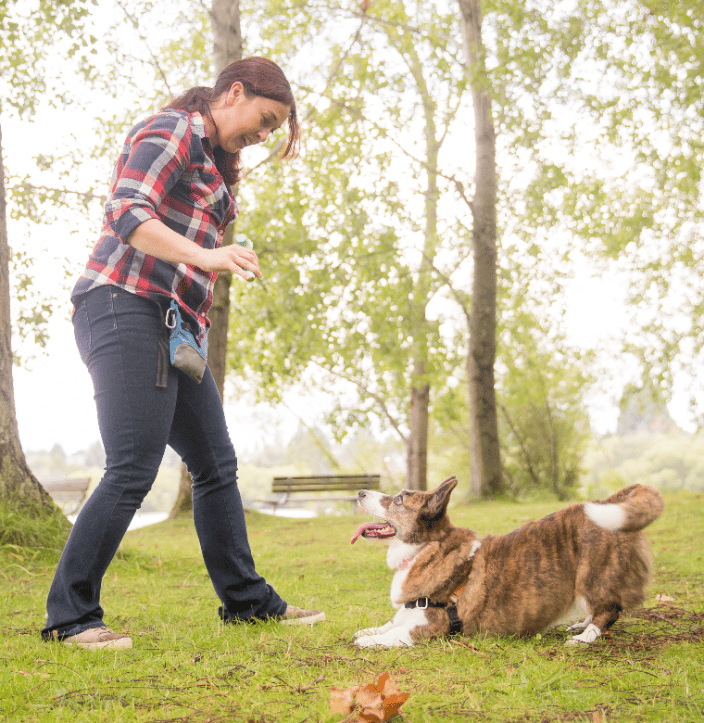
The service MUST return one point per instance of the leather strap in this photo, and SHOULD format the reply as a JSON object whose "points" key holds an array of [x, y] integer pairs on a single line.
{"points": [[423, 603]]}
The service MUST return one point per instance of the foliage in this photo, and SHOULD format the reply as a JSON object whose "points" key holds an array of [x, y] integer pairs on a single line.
{"points": [[671, 461], [41, 535], [604, 155], [185, 665], [351, 300], [544, 427]]}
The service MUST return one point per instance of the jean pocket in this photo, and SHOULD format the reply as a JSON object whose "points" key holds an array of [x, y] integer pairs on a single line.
{"points": [[81, 331]]}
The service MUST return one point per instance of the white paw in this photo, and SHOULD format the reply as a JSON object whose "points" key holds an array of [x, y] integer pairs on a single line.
{"points": [[577, 627], [586, 638], [365, 641], [394, 638], [372, 631]]}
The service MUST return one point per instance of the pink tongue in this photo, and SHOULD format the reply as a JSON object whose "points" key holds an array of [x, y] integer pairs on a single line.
{"points": [[362, 528]]}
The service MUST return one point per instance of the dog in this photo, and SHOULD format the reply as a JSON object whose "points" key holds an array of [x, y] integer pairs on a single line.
{"points": [[588, 559]]}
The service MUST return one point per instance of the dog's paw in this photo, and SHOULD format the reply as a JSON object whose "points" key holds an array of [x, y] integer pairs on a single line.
{"points": [[578, 627], [366, 641], [591, 633], [393, 638], [372, 631]]}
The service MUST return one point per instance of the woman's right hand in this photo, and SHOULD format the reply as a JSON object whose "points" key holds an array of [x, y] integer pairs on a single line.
{"points": [[156, 239], [240, 261]]}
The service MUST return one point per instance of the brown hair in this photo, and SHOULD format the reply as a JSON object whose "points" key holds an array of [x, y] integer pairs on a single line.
{"points": [[259, 76]]}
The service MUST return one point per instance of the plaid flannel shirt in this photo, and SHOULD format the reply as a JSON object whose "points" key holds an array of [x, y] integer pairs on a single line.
{"points": [[165, 171]]}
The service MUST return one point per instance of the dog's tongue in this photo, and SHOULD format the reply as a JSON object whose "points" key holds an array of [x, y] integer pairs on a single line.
{"points": [[366, 526]]}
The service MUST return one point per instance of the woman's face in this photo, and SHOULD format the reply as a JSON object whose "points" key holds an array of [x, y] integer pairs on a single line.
{"points": [[241, 121]]}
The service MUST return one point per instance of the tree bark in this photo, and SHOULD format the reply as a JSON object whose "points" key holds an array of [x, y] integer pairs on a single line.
{"points": [[487, 479], [227, 47], [19, 488]]}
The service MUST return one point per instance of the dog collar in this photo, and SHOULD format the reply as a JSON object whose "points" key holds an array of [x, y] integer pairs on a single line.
{"points": [[423, 603]]}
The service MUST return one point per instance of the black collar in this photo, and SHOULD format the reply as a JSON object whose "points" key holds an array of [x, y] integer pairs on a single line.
{"points": [[423, 603]]}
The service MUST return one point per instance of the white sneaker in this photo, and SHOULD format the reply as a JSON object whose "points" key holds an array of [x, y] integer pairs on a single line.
{"points": [[97, 638], [297, 616]]}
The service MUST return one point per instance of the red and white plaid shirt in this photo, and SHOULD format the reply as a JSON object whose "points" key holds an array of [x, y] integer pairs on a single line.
{"points": [[166, 171]]}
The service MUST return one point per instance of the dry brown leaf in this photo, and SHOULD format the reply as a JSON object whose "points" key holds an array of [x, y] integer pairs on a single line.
{"points": [[379, 701], [342, 699]]}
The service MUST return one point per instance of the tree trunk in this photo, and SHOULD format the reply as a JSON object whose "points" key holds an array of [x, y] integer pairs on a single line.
{"points": [[418, 421], [487, 480], [19, 488], [227, 47], [417, 445]]}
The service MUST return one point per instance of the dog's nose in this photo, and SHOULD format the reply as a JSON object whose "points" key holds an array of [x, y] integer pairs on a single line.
{"points": [[362, 493]]}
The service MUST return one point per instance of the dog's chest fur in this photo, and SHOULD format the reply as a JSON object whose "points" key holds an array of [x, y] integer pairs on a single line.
{"points": [[433, 569]]}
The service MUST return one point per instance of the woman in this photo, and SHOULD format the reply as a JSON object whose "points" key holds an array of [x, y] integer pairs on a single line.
{"points": [[170, 202]]}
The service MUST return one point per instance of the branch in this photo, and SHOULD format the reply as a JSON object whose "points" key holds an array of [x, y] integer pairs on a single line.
{"points": [[385, 134], [314, 435], [370, 394], [135, 25], [88, 195], [312, 108], [522, 444], [448, 282]]}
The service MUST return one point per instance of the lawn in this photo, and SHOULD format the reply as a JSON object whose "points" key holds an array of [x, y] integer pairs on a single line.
{"points": [[186, 666]]}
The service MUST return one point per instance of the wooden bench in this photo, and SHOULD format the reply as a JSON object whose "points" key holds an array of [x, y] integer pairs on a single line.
{"points": [[287, 486], [64, 491]]}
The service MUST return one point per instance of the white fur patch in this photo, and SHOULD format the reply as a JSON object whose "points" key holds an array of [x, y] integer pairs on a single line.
{"points": [[610, 517], [400, 551], [371, 503], [396, 633], [578, 611], [587, 637]]}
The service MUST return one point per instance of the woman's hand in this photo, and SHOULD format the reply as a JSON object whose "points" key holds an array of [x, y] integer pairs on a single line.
{"points": [[156, 239], [238, 260]]}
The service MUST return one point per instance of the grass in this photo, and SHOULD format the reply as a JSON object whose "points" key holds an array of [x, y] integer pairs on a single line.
{"points": [[186, 666]]}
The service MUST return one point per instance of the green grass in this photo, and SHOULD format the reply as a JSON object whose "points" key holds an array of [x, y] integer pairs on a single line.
{"points": [[186, 666]]}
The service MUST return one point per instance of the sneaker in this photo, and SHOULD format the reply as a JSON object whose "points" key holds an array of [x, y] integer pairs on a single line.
{"points": [[97, 638], [296, 616]]}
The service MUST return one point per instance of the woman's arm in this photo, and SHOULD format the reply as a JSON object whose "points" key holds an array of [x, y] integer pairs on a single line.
{"points": [[156, 239]]}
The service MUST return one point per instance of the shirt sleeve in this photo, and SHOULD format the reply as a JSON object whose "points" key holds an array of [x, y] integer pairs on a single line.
{"points": [[153, 160]]}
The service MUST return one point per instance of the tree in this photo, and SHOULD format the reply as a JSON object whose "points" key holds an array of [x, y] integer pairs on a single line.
{"points": [[350, 250], [484, 431], [25, 37], [227, 47]]}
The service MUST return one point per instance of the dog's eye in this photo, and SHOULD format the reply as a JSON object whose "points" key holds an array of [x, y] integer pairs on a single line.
{"points": [[398, 500]]}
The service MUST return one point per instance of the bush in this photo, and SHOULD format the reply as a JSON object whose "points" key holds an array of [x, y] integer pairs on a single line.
{"points": [[47, 532]]}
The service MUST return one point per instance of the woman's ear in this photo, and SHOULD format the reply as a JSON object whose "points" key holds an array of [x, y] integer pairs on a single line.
{"points": [[236, 91]]}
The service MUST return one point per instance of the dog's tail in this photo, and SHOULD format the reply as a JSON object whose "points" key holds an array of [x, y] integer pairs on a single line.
{"points": [[629, 510]]}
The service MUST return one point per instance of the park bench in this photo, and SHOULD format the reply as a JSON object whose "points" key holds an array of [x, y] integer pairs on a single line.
{"points": [[350, 483], [68, 491]]}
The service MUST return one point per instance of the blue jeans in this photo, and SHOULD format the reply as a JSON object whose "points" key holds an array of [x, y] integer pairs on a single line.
{"points": [[118, 337]]}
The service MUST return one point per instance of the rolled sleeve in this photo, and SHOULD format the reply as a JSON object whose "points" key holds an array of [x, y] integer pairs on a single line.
{"points": [[145, 173]]}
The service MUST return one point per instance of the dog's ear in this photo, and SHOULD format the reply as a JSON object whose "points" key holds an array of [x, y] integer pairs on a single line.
{"points": [[439, 499]]}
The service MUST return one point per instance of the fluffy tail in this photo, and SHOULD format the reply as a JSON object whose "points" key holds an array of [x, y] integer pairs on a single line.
{"points": [[629, 510]]}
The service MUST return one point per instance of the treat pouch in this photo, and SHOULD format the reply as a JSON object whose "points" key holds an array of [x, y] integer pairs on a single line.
{"points": [[185, 352]]}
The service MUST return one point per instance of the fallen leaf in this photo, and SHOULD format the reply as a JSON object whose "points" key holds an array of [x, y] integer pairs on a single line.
{"points": [[342, 699], [379, 701]]}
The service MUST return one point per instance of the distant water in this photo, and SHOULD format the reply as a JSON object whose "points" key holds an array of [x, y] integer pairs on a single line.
{"points": [[143, 519], [290, 512]]}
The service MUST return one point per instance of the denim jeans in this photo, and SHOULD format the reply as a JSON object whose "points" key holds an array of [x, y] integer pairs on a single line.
{"points": [[117, 335]]}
